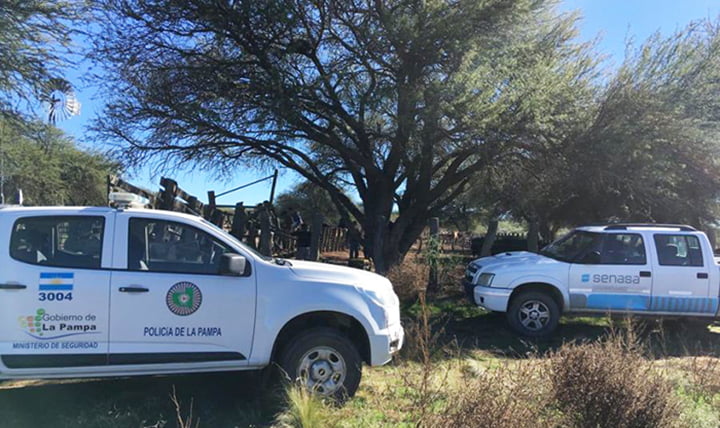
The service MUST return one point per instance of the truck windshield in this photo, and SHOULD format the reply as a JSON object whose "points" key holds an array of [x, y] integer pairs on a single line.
{"points": [[573, 246]]}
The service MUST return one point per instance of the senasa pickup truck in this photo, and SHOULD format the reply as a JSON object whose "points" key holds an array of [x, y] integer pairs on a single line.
{"points": [[116, 292], [664, 270]]}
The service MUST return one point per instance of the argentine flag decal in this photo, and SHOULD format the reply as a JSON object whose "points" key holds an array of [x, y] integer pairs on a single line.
{"points": [[50, 281]]}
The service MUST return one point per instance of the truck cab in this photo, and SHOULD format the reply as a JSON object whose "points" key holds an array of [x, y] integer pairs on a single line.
{"points": [[664, 270], [115, 292]]}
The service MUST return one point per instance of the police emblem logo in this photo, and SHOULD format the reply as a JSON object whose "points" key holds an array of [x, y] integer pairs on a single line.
{"points": [[184, 298]]}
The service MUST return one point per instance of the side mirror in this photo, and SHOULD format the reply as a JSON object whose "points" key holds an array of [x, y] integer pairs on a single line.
{"points": [[232, 264]]}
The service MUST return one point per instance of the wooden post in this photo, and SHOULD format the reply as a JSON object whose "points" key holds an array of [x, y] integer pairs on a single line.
{"points": [[434, 248], [239, 222], [108, 186], [316, 237], [167, 197], [210, 208], [272, 189]]}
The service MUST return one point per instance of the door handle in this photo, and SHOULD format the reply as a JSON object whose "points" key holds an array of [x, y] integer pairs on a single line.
{"points": [[702, 275], [12, 287], [133, 289], [645, 273]]}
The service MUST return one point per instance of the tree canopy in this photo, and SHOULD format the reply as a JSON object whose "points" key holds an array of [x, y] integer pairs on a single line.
{"points": [[49, 168], [404, 101], [34, 40]]}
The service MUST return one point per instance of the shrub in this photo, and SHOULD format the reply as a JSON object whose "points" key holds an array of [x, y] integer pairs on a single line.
{"points": [[409, 279], [610, 384], [512, 396]]}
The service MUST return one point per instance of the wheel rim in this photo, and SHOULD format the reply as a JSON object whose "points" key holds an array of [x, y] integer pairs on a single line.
{"points": [[322, 369], [534, 315]]}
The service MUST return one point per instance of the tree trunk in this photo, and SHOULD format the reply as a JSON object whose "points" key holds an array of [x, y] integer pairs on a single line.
{"points": [[489, 237], [316, 237], [532, 236]]}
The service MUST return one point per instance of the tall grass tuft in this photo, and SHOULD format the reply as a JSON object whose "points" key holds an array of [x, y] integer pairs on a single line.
{"points": [[304, 410]]}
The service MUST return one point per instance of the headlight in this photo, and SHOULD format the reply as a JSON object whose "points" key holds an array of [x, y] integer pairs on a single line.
{"points": [[486, 279]]}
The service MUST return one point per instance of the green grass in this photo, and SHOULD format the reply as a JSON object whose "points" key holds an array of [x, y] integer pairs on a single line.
{"points": [[470, 342]]}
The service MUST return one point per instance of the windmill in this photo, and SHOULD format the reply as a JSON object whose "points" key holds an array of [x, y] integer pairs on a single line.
{"points": [[59, 100]]}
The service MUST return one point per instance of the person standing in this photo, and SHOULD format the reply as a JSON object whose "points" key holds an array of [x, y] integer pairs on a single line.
{"points": [[354, 236], [303, 238]]}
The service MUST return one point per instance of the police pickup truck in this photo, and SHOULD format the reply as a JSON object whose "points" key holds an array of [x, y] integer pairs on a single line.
{"points": [[664, 270], [116, 292]]}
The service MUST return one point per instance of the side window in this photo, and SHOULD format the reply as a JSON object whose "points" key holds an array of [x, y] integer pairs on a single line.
{"points": [[678, 250], [67, 241], [623, 249], [165, 246]]}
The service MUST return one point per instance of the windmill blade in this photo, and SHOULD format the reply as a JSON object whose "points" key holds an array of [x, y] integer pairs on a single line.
{"points": [[59, 100]]}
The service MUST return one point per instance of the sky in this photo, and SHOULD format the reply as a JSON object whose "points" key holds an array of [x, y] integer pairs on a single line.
{"points": [[613, 21]]}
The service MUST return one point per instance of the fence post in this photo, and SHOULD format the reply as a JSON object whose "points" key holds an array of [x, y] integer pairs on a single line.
{"points": [[167, 197], [239, 221]]}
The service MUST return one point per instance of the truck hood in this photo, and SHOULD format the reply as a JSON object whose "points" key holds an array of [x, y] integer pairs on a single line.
{"points": [[338, 274], [514, 259]]}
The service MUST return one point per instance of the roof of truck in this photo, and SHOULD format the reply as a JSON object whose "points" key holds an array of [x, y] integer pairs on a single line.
{"points": [[637, 226]]}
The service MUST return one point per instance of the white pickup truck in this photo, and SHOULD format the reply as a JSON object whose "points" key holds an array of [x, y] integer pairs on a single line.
{"points": [[664, 270], [116, 292]]}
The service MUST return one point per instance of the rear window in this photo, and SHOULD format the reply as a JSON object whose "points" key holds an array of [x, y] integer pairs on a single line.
{"points": [[67, 241], [678, 250]]}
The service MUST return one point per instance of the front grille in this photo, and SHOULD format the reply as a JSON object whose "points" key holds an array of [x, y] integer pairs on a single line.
{"points": [[471, 271]]}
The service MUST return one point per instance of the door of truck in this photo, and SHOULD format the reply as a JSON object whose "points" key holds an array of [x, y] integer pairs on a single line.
{"points": [[681, 272], [616, 276], [168, 302], [54, 293]]}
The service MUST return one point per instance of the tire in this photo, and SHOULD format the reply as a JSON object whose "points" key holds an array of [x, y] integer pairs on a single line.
{"points": [[533, 314], [325, 361]]}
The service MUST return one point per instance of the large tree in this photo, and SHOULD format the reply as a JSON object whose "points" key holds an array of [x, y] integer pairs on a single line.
{"points": [[402, 101], [653, 149]]}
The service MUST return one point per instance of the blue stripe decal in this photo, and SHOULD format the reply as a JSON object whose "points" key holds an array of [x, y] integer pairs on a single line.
{"points": [[699, 305], [618, 301], [52, 275], [56, 287]]}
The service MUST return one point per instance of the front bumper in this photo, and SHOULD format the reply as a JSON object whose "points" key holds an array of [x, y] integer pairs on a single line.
{"points": [[492, 299], [385, 344]]}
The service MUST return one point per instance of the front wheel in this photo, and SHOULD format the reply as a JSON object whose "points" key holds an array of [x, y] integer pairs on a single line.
{"points": [[533, 314], [324, 361]]}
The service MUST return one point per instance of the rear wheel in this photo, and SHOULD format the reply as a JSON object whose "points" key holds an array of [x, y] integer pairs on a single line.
{"points": [[533, 314], [323, 361]]}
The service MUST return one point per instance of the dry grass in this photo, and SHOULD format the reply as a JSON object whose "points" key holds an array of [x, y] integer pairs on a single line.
{"points": [[510, 395]]}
